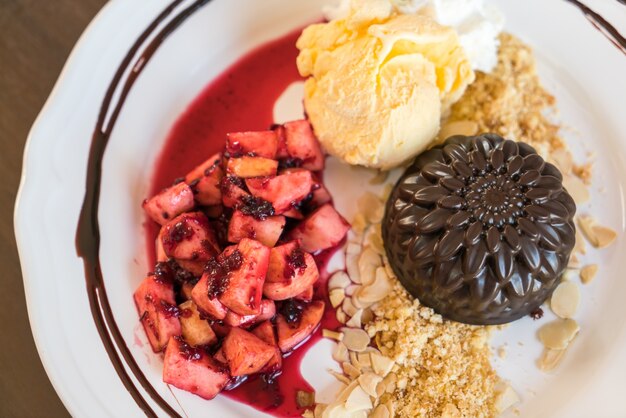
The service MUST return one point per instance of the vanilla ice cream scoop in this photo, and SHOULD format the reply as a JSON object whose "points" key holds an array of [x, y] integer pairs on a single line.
{"points": [[379, 82]]}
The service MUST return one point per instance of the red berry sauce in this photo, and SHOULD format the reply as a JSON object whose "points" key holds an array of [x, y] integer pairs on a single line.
{"points": [[242, 99]]}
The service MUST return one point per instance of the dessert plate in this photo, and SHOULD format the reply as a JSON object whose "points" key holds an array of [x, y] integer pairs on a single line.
{"points": [[576, 62]]}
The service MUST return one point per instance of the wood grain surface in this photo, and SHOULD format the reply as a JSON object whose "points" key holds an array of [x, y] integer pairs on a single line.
{"points": [[36, 36]]}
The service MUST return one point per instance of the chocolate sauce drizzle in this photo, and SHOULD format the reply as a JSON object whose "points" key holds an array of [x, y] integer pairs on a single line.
{"points": [[88, 231], [602, 25]]}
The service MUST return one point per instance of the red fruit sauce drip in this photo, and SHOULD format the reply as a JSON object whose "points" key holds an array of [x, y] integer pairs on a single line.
{"points": [[242, 99]]}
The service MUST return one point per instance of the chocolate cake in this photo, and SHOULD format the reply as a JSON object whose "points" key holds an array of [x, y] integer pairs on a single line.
{"points": [[480, 229]]}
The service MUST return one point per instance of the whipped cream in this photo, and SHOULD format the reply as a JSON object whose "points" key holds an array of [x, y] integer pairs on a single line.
{"points": [[476, 22]]}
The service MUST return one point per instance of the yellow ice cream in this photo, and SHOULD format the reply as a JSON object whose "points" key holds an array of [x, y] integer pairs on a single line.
{"points": [[379, 82]]}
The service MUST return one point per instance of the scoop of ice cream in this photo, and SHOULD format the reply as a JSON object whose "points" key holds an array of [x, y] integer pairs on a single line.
{"points": [[379, 82]]}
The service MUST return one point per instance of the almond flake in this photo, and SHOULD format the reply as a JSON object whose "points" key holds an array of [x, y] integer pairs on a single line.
{"points": [[506, 399], [378, 290], [355, 339], [339, 280], [380, 411], [354, 248], [576, 188], [382, 365], [574, 262], [339, 376], [364, 359], [565, 300], [550, 359], [588, 273], [604, 236], [369, 261], [350, 370], [348, 307], [355, 321], [351, 290], [562, 158], [372, 207], [341, 316], [558, 334], [367, 316], [369, 381], [388, 384], [308, 414], [358, 400], [333, 335], [579, 246], [319, 410], [352, 267], [359, 224], [376, 242], [336, 296], [340, 354]]}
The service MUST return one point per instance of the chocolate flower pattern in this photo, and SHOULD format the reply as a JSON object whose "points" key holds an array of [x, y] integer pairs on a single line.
{"points": [[480, 229]]}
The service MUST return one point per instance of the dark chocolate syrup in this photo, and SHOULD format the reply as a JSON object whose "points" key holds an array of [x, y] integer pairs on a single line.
{"points": [[600, 23], [88, 231]]}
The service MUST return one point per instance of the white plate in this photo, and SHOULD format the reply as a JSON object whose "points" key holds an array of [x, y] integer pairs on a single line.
{"points": [[577, 63]]}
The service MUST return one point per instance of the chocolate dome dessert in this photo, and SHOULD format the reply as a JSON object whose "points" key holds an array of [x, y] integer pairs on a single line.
{"points": [[480, 229]]}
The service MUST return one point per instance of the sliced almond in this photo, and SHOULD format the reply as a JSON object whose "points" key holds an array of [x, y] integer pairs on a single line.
{"points": [[308, 414], [340, 376], [558, 334], [351, 290], [562, 158], [341, 316], [382, 365], [369, 261], [565, 300], [388, 384], [350, 370], [333, 335], [355, 321], [378, 290], [355, 339], [576, 188], [340, 354], [386, 192], [580, 247], [339, 280], [376, 242], [348, 307], [506, 399], [604, 236], [588, 273], [352, 267], [367, 316], [358, 400], [574, 262], [380, 411], [369, 381], [336, 296], [359, 223], [319, 410], [550, 359], [365, 360]]}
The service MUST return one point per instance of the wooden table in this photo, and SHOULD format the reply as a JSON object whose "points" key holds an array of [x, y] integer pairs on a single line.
{"points": [[36, 36]]}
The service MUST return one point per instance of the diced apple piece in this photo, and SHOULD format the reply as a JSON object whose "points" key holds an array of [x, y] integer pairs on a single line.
{"points": [[291, 271], [170, 203], [194, 267], [157, 311], [263, 144], [205, 180], [307, 295], [281, 136], [291, 335], [245, 353], [221, 329], [265, 331], [267, 231], [209, 305], [219, 356], [321, 230], [245, 286], [321, 196], [204, 169], [282, 191], [268, 310], [303, 145], [195, 329], [232, 191], [193, 370], [190, 237], [248, 167], [160, 251]]}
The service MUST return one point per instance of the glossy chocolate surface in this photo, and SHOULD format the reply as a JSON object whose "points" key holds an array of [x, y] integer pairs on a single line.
{"points": [[480, 229]]}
